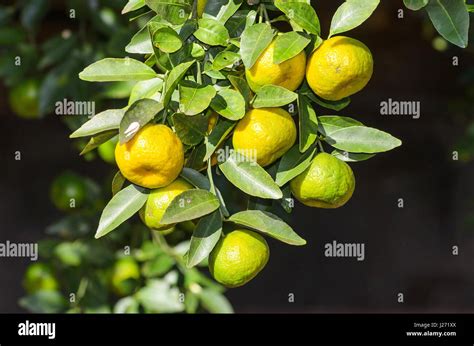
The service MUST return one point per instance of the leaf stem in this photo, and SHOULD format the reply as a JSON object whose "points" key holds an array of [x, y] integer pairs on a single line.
{"points": [[260, 14], [265, 13], [209, 175], [320, 144], [81, 290], [199, 73]]}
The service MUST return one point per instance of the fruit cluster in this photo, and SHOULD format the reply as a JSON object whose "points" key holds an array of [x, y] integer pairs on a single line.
{"points": [[223, 86]]}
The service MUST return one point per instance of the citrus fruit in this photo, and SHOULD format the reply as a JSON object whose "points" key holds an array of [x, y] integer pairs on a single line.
{"points": [[288, 74], [238, 257], [327, 183], [157, 202], [107, 150], [265, 134], [125, 276], [201, 6], [153, 158], [68, 191], [40, 277], [338, 68], [24, 99]]}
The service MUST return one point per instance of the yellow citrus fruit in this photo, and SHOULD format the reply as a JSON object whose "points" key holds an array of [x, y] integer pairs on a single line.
{"points": [[125, 276], [238, 257], [327, 183], [157, 202], [340, 67], [201, 6], [265, 134], [288, 74], [153, 158]]}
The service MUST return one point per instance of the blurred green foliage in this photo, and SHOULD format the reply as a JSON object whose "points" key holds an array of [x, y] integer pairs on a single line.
{"points": [[133, 270]]}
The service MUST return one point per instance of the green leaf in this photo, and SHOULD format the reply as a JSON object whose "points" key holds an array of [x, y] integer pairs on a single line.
{"points": [[120, 208], [361, 139], [173, 11], [229, 103], [292, 164], [415, 5], [273, 96], [97, 140], [117, 183], [190, 130], [328, 124], [55, 49], [173, 79], [45, 302], [158, 266], [451, 20], [127, 305], [351, 157], [32, 12], [136, 117], [167, 40], [190, 205], [225, 59], [141, 42], [249, 177], [212, 32], [334, 105], [308, 123], [289, 45], [215, 302], [116, 70], [147, 89], [217, 136], [195, 178], [206, 235], [268, 224], [195, 98], [255, 39], [158, 297], [104, 121], [241, 85], [133, 5], [188, 29], [237, 23], [351, 14], [301, 13], [70, 253], [221, 10]]}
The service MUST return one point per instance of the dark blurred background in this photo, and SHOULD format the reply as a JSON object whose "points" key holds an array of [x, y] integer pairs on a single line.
{"points": [[408, 250]]}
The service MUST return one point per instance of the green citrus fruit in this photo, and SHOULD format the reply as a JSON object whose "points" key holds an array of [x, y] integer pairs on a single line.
{"points": [[327, 183], [40, 277], [68, 191], [125, 276], [158, 201], [238, 257], [107, 150], [24, 99]]}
